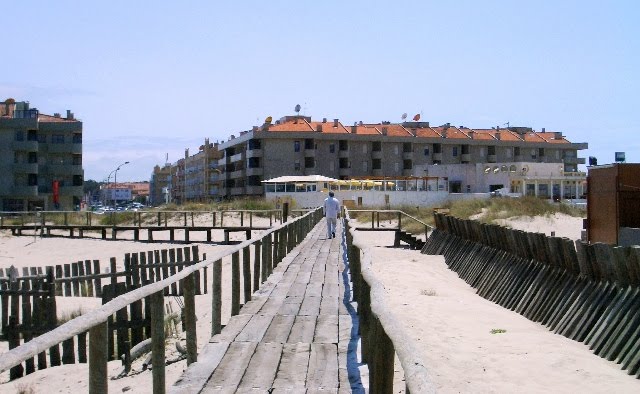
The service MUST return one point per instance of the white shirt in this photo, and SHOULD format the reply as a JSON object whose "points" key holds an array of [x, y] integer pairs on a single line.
{"points": [[331, 207]]}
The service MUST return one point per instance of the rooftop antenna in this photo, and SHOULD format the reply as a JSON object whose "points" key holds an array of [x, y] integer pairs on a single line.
{"points": [[506, 124], [404, 116]]}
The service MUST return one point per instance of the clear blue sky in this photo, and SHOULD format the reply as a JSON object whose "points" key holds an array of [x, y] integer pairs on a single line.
{"points": [[149, 78]]}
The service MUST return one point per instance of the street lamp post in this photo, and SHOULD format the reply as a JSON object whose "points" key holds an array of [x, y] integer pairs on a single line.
{"points": [[115, 180]]}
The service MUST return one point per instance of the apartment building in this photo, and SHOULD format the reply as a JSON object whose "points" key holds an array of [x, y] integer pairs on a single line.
{"points": [[40, 159], [193, 178], [296, 145]]}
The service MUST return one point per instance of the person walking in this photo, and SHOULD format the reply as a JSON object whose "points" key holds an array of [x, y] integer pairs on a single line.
{"points": [[331, 211]]}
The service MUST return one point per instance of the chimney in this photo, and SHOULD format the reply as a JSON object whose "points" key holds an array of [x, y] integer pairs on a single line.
{"points": [[69, 114], [319, 128], [360, 123], [384, 131], [335, 123], [471, 134], [543, 129], [324, 120], [558, 136], [498, 134], [498, 128], [444, 133], [354, 129], [56, 115]]}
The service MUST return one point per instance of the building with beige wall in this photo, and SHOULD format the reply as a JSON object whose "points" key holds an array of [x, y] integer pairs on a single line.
{"points": [[40, 159], [296, 145]]}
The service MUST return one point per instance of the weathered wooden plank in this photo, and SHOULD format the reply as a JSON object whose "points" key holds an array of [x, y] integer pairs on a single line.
{"points": [[310, 306], [279, 329], [329, 305], [326, 329], [255, 328], [292, 372], [232, 329], [303, 329], [261, 371], [323, 366], [229, 372]]}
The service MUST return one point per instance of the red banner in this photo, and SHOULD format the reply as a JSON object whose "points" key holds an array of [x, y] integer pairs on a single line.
{"points": [[55, 187]]}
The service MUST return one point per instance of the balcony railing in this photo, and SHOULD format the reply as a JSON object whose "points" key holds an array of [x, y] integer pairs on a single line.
{"points": [[26, 168], [254, 171], [25, 191], [254, 153], [27, 146]]}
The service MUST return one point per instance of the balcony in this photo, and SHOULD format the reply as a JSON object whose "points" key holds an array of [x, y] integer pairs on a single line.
{"points": [[376, 172], [27, 146], [437, 156], [492, 159], [71, 190], [26, 168], [310, 153], [236, 174], [254, 171], [255, 190], [344, 171], [24, 191], [236, 157], [574, 160], [407, 155], [465, 158], [67, 169], [236, 191], [254, 153], [343, 154], [376, 154], [65, 148]]}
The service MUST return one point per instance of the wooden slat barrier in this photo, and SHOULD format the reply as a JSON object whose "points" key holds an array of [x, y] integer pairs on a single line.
{"points": [[382, 336], [94, 320], [586, 292]]}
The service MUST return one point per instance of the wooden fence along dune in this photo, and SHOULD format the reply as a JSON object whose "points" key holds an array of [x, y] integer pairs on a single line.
{"points": [[259, 256], [587, 292]]}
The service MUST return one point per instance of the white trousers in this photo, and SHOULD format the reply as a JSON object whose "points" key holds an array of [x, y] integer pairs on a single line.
{"points": [[331, 226]]}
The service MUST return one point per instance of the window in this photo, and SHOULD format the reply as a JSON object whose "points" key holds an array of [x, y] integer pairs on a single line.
{"points": [[332, 166], [19, 135], [254, 144], [396, 150], [308, 143], [406, 147], [57, 139], [332, 148], [407, 164], [296, 165], [516, 151], [426, 151], [491, 150], [508, 152], [376, 146], [77, 138], [344, 162], [32, 135], [437, 148], [77, 180], [376, 164], [455, 151], [465, 149], [253, 162], [365, 166], [42, 138], [396, 166], [541, 152], [309, 162], [33, 157], [77, 160], [343, 144], [32, 180], [364, 148]]}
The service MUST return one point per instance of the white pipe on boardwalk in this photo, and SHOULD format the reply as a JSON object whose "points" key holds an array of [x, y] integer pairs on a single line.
{"points": [[100, 315], [415, 371]]}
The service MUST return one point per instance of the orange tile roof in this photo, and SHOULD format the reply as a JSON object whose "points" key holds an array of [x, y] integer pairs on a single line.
{"points": [[328, 128], [484, 134], [427, 132], [551, 138], [292, 126]]}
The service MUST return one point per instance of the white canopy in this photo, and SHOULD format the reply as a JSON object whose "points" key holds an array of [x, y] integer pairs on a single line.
{"points": [[300, 178]]}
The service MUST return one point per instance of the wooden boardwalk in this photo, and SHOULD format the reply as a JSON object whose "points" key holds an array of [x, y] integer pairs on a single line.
{"points": [[297, 334]]}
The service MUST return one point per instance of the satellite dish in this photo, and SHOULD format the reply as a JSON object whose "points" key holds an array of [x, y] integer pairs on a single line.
{"points": [[525, 168], [404, 116], [416, 118], [298, 108], [268, 120]]}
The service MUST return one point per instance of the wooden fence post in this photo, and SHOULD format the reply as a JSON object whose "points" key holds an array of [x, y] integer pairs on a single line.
{"points": [[257, 270], [235, 283], [246, 273], [157, 342], [190, 318], [216, 298], [98, 382]]}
